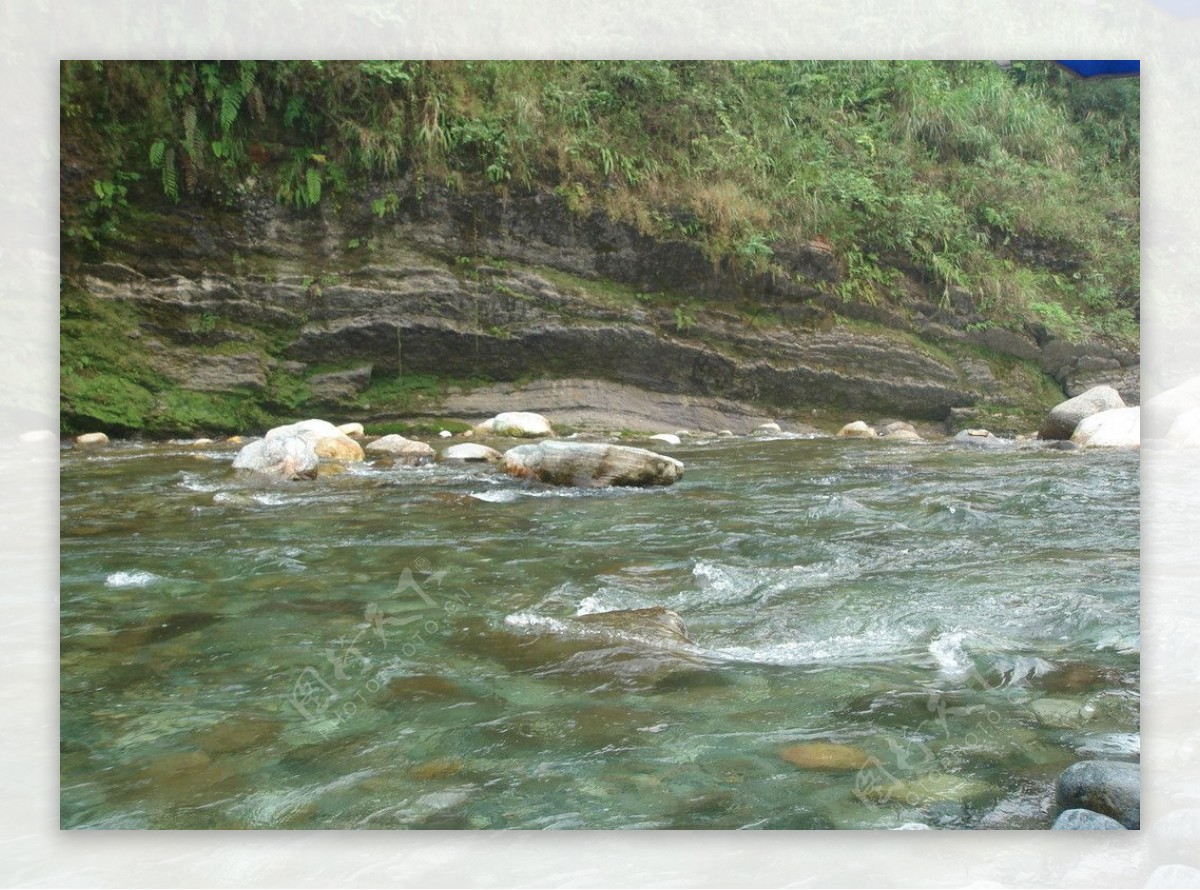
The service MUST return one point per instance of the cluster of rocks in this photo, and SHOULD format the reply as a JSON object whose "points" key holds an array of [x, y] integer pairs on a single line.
{"points": [[1096, 418], [1098, 795], [295, 451]]}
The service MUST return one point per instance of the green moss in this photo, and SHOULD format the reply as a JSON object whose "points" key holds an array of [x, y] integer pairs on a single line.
{"points": [[185, 412]]}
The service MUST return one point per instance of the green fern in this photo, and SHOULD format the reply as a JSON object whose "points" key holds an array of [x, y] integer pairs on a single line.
{"points": [[312, 186], [170, 179], [231, 102], [158, 152]]}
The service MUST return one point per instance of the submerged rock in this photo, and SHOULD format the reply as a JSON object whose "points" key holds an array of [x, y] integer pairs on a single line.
{"points": [[470, 452], [521, 425], [1109, 787], [655, 625], [1085, 820], [926, 789], [1118, 428], [91, 439], [825, 756], [857, 429], [1065, 417], [284, 457], [591, 465]]}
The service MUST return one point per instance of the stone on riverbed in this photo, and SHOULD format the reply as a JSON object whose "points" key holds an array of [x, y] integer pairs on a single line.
{"points": [[470, 452], [668, 438], [926, 789], [284, 457], [1109, 787], [656, 626], [766, 429], [312, 429], [591, 465], [91, 439], [981, 439], [353, 430], [521, 425], [338, 448], [858, 429], [1065, 417], [828, 756], [1085, 820], [1118, 428], [402, 449]]}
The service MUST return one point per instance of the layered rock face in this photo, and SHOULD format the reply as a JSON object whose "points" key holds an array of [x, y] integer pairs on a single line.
{"points": [[478, 287]]}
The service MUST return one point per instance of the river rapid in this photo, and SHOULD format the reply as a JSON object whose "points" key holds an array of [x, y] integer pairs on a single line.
{"points": [[883, 635]]}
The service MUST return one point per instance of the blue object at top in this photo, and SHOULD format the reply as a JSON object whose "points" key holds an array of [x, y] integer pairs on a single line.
{"points": [[1097, 67]]}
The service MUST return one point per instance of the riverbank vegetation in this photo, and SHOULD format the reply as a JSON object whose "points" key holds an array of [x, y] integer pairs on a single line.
{"points": [[1020, 185]]}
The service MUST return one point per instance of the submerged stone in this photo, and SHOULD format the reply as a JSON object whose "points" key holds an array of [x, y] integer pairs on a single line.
{"points": [[824, 756]]}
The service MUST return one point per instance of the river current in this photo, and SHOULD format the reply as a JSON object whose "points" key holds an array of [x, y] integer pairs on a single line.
{"points": [[884, 635]]}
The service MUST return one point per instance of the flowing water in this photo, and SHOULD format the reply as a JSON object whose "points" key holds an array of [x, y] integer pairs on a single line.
{"points": [[882, 635]]}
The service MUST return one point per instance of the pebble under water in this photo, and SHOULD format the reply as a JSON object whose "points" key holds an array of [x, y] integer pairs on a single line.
{"points": [[884, 635]]}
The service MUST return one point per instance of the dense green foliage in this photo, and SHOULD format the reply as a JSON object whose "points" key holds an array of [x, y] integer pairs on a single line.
{"points": [[955, 173]]}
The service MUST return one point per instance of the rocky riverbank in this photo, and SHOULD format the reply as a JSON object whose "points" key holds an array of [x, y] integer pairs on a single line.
{"points": [[229, 319]]}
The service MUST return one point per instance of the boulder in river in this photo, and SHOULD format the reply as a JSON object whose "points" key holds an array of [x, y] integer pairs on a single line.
{"points": [[521, 425], [857, 429], [667, 438], [1118, 428], [353, 430], [767, 429], [338, 447], [1085, 820], [1109, 787], [471, 452], [1065, 417], [980, 439], [312, 429], [400, 448], [284, 457], [591, 465], [91, 440]]}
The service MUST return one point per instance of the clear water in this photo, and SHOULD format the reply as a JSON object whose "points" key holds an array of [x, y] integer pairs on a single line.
{"points": [[393, 648]]}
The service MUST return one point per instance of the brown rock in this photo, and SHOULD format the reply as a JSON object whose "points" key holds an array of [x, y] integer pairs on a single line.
{"points": [[824, 756]]}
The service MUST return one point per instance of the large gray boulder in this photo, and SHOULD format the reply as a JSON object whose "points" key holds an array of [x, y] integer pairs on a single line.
{"points": [[313, 430], [281, 457], [1118, 428], [1064, 417], [1109, 787], [591, 465]]}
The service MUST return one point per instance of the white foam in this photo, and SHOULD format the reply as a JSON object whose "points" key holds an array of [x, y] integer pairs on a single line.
{"points": [[136, 578], [947, 650]]}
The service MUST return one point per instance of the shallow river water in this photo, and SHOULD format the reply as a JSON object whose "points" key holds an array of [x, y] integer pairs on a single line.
{"points": [[883, 635]]}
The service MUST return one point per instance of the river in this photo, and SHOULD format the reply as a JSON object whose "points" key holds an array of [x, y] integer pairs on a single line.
{"points": [[884, 635]]}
